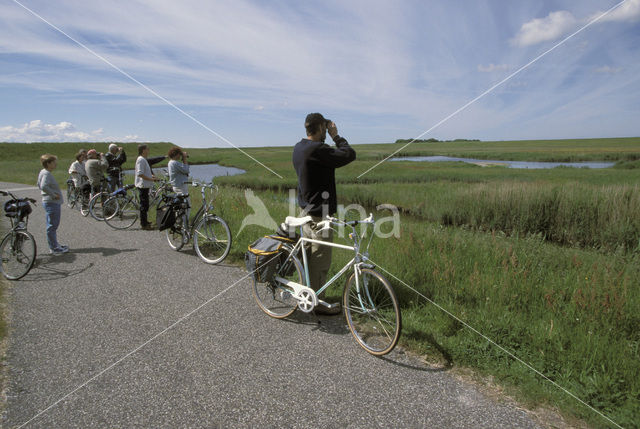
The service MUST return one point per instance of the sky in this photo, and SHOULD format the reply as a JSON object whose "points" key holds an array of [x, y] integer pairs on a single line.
{"points": [[202, 73]]}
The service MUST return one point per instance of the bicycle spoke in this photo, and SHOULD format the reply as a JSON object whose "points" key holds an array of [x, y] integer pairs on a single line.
{"points": [[372, 312]]}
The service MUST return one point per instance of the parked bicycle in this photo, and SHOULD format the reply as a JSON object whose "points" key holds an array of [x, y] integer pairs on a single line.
{"points": [[95, 206], [368, 300], [123, 208], [17, 248], [76, 197], [211, 234]]}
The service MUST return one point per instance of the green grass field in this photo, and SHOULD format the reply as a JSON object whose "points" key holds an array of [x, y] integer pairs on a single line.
{"points": [[543, 262]]}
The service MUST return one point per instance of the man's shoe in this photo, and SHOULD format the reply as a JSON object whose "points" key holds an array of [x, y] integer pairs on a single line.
{"points": [[327, 311], [56, 252], [64, 248]]}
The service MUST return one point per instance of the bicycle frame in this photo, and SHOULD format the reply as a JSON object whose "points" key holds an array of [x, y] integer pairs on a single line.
{"points": [[205, 208], [356, 262]]}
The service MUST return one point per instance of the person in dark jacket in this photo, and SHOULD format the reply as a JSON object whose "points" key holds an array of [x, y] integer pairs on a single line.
{"points": [[115, 157], [315, 163]]}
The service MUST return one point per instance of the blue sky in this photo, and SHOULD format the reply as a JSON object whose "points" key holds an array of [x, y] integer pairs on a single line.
{"points": [[252, 70]]}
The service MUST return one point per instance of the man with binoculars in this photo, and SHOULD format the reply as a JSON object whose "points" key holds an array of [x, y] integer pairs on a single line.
{"points": [[315, 163]]}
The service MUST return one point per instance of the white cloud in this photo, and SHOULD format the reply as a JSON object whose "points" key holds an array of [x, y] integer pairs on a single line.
{"points": [[560, 23], [492, 68], [540, 30], [37, 131]]}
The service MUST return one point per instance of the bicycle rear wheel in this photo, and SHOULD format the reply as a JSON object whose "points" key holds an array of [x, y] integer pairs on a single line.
{"points": [[176, 235], [124, 210], [212, 239], [18, 253], [84, 204], [71, 196], [372, 312], [96, 206], [275, 298]]}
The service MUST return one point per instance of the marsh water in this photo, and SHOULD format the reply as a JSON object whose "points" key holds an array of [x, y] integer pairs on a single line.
{"points": [[204, 172], [509, 164]]}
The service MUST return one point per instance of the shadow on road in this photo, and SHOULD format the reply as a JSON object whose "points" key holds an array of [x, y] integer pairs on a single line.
{"points": [[106, 251], [400, 359], [191, 251], [335, 325], [46, 270]]}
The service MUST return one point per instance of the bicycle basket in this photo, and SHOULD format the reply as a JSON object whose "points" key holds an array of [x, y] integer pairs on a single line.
{"points": [[17, 208], [262, 258]]}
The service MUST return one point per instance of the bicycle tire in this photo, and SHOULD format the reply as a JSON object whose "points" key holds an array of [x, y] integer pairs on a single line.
{"points": [[176, 235], [96, 205], [84, 209], [274, 298], [15, 262], [372, 312], [125, 212], [212, 239], [71, 197]]}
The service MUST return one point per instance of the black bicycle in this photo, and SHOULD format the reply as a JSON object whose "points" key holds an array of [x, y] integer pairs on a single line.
{"points": [[211, 234], [122, 208], [17, 248], [78, 198]]}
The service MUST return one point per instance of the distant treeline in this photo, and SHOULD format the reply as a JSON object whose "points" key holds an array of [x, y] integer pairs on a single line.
{"points": [[432, 140]]}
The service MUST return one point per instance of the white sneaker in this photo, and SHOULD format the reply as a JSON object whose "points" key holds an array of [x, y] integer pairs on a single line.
{"points": [[56, 252]]}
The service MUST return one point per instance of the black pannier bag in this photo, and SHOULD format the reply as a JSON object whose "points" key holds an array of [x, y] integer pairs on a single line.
{"points": [[166, 217], [263, 258], [15, 208]]}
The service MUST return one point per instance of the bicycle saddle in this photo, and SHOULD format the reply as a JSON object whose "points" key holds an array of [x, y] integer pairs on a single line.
{"points": [[297, 221]]}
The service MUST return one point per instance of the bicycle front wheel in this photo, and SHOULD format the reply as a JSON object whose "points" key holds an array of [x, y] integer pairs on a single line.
{"points": [[124, 212], [18, 253], [372, 312], [275, 298], [96, 208], [176, 235], [212, 239]]}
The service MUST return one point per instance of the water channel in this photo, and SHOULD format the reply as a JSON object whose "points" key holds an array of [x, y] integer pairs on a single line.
{"points": [[509, 164]]}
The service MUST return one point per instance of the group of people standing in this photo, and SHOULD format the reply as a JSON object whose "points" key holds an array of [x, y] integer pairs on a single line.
{"points": [[88, 173], [89, 168]]}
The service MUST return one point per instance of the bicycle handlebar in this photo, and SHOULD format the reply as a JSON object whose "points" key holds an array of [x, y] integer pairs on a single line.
{"points": [[330, 219], [9, 194]]}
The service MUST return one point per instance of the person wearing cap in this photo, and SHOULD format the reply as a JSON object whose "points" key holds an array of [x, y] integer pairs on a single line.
{"points": [[95, 167], [115, 158], [315, 163], [144, 181]]}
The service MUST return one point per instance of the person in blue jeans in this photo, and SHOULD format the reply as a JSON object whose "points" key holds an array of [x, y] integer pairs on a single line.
{"points": [[51, 201]]}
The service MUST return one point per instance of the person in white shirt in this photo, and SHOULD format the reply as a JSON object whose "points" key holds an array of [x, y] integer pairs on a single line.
{"points": [[77, 171], [144, 181], [79, 174]]}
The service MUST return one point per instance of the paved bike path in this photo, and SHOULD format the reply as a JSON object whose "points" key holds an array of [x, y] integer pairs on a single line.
{"points": [[94, 322]]}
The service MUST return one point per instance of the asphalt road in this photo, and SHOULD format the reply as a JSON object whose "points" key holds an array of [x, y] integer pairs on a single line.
{"points": [[123, 332]]}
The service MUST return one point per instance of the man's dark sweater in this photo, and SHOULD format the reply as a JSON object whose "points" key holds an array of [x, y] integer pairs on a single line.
{"points": [[315, 164], [115, 162]]}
